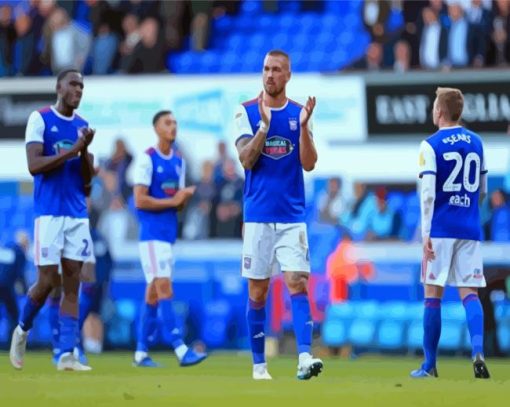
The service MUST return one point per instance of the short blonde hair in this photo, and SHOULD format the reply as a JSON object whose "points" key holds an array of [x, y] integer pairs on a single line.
{"points": [[451, 102]]}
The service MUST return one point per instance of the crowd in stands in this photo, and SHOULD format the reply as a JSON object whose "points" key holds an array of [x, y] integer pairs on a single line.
{"points": [[378, 213], [41, 37], [438, 34]]}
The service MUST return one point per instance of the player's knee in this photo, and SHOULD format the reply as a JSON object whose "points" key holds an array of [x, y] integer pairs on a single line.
{"points": [[151, 295], [258, 293], [163, 287], [40, 290], [296, 282]]}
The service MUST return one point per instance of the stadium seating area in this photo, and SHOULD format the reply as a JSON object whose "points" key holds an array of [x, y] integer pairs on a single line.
{"points": [[240, 42], [398, 326]]}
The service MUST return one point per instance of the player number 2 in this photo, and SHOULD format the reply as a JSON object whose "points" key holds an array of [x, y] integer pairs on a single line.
{"points": [[85, 252], [465, 166]]}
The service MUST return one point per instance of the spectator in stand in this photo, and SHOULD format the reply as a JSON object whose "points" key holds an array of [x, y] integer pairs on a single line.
{"points": [[433, 40], [440, 9], [228, 203], [373, 59], [498, 227], [357, 218], [480, 21], [25, 61], [69, 44], [458, 37], [142, 8], [148, 55], [219, 164], [7, 39], [200, 24], [411, 12], [104, 50], [499, 47], [331, 203], [402, 56], [12, 278], [375, 14], [384, 222], [198, 216], [173, 15], [130, 28], [119, 164]]}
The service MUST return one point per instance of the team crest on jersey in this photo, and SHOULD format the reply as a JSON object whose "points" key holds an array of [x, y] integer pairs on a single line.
{"points": [[293, 123], [277, 147], [247, 262], [62, 146], [170, 187]]}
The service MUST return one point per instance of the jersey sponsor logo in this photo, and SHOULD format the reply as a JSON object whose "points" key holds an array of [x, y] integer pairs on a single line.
{"points": [[247, 262], [277, 147], [44, 252], [461, 201], [455, 138], [259, 335], [54, 129], [62, 146], [159, 170], [432, 277], [169, 187], [293, 123], [478, 274]]}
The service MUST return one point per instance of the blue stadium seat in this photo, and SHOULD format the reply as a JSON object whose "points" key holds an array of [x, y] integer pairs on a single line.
{"points": [[251, 7], [336, 323], [414, 311], [334, 333], [368, 310], [393, 311], [504, 336], [396, 201], [502, 310], [410, 216], [453, 326], [452, 335], [500, 225], [414, 339], [217, 322], [289, 6], [453, 310], [361, 332], [344, 311], [390, 334], [126, 309]]}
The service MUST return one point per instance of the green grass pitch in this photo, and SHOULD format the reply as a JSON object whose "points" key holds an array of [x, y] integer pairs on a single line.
{"points": [[225, 380]]}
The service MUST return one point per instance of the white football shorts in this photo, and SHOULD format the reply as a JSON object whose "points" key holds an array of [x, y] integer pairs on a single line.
{"points": [[57, 237], [458, 263], [157, 259], [269, 245]]}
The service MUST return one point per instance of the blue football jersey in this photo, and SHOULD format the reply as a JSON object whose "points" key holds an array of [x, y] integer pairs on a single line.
{"points": [[164, 176], [456, 156], [59, 192], [274, 188]]}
